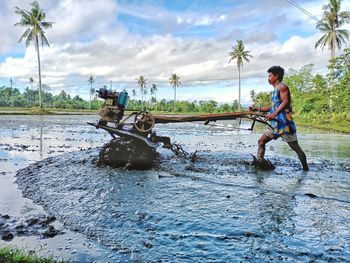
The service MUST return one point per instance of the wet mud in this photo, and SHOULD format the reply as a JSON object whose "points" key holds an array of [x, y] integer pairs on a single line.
{"points": [[219, 209], [25, 140], [130, 154], [35, 225]]}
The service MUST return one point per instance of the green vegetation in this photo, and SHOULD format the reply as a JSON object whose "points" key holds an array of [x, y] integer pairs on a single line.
{"points": [[320, 101], [10, 255], [12, 97]]}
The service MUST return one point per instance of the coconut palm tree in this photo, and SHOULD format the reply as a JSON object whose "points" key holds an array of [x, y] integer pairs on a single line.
{"points": [[145, 92], [331, 22], [27, 95], [238, 53], [31, 82], [174, 81], [252, 95], [12, 82], [34, 21], [134, 96], [134, 93], [142, 82], [154, 92], [45, 90], [91, 81]]}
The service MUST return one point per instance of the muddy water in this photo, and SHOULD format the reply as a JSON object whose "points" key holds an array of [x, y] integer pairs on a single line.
{"points": [[23, 141], [220, 209]]}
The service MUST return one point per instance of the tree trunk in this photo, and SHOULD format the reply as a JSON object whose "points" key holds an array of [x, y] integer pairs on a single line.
{"points": [[27, 97], [142, 97], [39, 67], [31, 96], [174, 109], [333, 45], [332, 81], [146, 102], [90, 96], [239, 88], [155, 97]]}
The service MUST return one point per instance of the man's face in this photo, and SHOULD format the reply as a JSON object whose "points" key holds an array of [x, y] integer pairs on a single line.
{"points": [[272, 78]]}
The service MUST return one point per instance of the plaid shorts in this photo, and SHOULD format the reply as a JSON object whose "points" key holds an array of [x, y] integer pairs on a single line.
{"points": [[285, 137]]}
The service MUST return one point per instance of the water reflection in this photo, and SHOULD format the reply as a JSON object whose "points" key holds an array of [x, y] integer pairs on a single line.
{"points": [[41, 139]]}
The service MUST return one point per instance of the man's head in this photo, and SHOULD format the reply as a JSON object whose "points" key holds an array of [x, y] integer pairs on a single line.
{"points": [[275, 73]]}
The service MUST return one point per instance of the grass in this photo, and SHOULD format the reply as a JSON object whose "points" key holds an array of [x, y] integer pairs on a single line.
{"points": [[338, 122], [15, 255], [39, 111]]}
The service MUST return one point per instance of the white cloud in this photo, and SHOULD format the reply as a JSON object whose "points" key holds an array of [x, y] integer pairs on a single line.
{"points": [[76, 19], [157, 57], [87, 39]]}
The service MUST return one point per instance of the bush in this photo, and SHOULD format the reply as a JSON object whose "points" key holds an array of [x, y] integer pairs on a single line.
{"points": [[11, 255]]}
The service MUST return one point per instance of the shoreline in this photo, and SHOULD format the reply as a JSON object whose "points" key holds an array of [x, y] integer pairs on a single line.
{"points": [[332, 126]]}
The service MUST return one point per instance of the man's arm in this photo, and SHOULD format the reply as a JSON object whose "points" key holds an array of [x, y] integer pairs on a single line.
{"points": [[259, 109], [264, 109], [283, 90]]}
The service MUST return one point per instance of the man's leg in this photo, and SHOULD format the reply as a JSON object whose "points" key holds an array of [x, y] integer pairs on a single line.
{"points": [[302, 157], [264, 139]]}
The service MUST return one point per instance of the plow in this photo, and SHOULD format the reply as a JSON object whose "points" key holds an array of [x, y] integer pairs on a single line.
{"points": [[139, 125]]}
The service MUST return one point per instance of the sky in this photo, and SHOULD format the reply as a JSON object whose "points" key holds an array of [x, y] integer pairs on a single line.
{"points": [[117, 41]]}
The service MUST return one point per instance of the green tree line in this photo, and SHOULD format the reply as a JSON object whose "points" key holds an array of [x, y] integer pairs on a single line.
{"points": [[12, 97], [319, 100]]}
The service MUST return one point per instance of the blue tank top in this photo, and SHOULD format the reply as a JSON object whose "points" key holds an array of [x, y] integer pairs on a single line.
{"points": [[284, 123]]}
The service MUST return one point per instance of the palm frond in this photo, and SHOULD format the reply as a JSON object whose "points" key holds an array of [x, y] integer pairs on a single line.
{"points": [[345, 15], [43, 38], [342, 38], [344, 33], [46, 25], [25, 34], [338, 43], [321, 42], [23, 13], [30, 38], [35, 4]]}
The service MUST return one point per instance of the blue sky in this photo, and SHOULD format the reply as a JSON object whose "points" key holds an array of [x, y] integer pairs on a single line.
{"points": [[119, 40]]}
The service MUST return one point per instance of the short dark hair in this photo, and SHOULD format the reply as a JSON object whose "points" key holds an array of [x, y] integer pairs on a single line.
{"points": [[277, 70]]}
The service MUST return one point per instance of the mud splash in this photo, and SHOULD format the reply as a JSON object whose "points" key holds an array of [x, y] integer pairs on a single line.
{"points": [[222, 209], [131, 154]]}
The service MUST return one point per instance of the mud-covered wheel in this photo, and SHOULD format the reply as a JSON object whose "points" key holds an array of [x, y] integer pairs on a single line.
{"points": [[144, 121]]}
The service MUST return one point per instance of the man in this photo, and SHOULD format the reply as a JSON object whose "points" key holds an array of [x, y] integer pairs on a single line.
{"points": [[280, 117]]}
